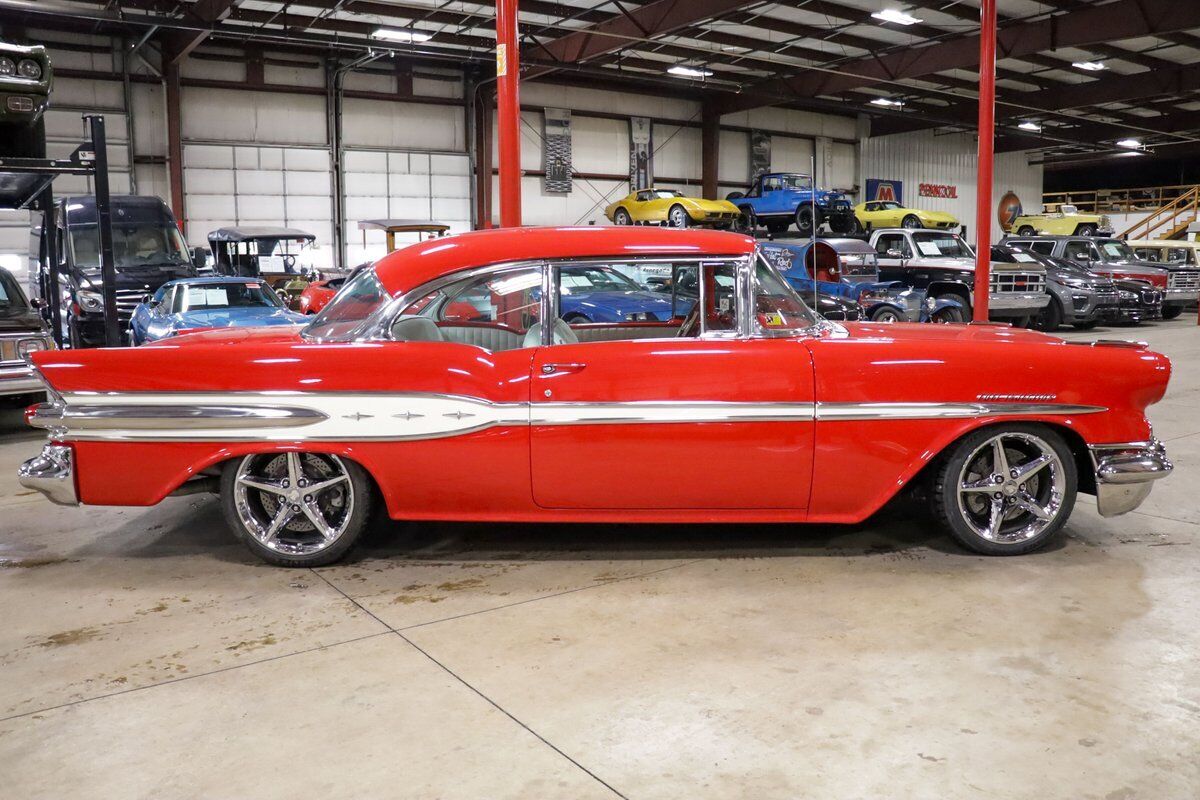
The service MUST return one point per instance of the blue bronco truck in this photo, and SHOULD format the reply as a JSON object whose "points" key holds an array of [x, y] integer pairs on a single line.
{"points": [[778, 199]]}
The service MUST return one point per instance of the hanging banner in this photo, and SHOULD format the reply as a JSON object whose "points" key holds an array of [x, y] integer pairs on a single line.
{"points": [[760, 153], [556, 150], [641, 153], [878, 189]]}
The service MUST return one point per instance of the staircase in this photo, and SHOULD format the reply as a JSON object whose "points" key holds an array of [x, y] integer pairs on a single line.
{"points": [[1170, 220]]}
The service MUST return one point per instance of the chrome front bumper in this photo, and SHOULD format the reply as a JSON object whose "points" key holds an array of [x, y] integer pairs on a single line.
{"points": [[1180, 295], [1030, 302], [51, 472], [19, 380], [1125, 474]]}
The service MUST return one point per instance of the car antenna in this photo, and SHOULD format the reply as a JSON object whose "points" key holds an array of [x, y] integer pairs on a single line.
{"points": [[812, 244]]}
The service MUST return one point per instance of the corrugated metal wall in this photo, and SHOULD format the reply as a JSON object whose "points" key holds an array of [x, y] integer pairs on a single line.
{"points": [[951, 160]]}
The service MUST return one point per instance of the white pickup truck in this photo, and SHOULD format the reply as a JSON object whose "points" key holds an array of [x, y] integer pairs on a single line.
{"points": [[943, 265]]}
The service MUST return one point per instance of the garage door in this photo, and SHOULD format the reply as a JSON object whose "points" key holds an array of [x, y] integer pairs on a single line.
{"points": [[403, 185], [232, 185]]}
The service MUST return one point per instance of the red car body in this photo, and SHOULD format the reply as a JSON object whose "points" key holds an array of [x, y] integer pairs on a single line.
{"points": [[823, 425], [317, 294]]}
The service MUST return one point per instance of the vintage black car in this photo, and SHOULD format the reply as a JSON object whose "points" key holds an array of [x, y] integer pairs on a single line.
{"points": [[25, 80], [21, 333]]}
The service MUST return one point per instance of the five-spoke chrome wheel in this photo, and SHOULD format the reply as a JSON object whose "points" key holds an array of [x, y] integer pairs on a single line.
{"points": [[679, 217], [296, 508], [1007, 490]]}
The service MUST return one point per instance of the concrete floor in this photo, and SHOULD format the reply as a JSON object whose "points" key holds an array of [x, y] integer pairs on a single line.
{"points": [[145, 654]]}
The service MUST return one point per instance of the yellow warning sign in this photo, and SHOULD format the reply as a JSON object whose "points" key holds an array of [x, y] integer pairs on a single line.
{"points": [[501, 60]]}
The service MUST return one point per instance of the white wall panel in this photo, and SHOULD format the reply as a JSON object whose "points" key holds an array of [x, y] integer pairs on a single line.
{"points": [[282, 75], [791, 155], [227, 115], [403, 126], [662, 106], [950, 159], [676, 152], [734, 158]]}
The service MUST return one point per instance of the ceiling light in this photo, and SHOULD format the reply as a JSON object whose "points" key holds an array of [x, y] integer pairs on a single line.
{"points": [[690, 72], [885, 101], [1088, 66], [1132, 144], [1030, 126], [400, 35], [895, 15]]}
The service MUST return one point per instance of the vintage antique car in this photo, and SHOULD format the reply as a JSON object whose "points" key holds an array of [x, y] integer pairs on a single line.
{"points": [[749, 409], [667, 206], [1061, 220], [890, 214], [21, 333], [25, 81], [201, 304]]}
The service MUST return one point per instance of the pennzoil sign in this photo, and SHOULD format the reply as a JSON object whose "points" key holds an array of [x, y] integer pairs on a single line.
{"points": [[945, 191]]}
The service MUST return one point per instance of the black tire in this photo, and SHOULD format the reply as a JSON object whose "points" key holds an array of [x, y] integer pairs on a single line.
{"points": [[1026, 230], [621, 217], [1022, 322], [362, 500], [856, 227], [1171, 312], [947, 316], [885, 313], [964, 304], [749, 220], [776, 228], [804, 220], [912, 222], [1086, 230], [960, 519], [734, 196], [1086, 326], [842, 224], [1051, 317], [678, 217]]}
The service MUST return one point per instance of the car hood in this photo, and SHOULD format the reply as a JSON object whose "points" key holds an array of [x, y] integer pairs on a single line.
{"points": [[998, 333], [237, 317], [15, 319], [721, 206]]}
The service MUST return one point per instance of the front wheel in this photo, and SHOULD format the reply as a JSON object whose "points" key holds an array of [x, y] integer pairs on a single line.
{"points": [[947, 315], [1006, 490], [296, 509], [1050, 317], [911, 222], [1026, 230], [804, 220], [1085, 230], [678, 217], [1171, 312], [886, 314], [621, 217]]}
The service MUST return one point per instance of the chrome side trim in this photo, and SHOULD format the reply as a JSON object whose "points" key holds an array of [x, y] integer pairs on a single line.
{"points": [[381, 416], [51, 472]]}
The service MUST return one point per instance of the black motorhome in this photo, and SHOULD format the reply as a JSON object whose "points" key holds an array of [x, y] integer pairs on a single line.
{"points": [[148, 251]]}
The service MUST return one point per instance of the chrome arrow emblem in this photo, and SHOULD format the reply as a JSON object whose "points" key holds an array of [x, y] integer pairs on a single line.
{"points": [[356, 417], [457, 414], [407, 415]]}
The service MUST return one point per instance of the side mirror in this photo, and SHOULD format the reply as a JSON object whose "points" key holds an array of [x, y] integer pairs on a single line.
{"points": [[38, 303], [199, 257]]}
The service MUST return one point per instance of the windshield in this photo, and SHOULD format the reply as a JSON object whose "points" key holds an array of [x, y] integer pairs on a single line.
{"points": [[235, 294], [943, 245], [798, 182], [138, 244], [1112, 250], [664, 194], [777, 307], [580, 280], [361, 297], [10, 293]]}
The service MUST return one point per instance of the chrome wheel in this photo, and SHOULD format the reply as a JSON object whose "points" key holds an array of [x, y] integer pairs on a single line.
{"points": [[1011, 488], [294, 503], [679, 217]]}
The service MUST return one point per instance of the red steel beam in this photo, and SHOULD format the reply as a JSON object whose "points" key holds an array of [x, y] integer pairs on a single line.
{"points": [[624, 30], [508, 101], [983, 182], [1122, 19]]}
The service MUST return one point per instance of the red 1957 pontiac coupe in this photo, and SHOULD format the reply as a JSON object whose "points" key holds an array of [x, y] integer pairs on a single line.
{"points": [[443, 384]]}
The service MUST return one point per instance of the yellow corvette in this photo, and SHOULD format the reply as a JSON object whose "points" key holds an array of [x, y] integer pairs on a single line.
{"points": [[890, 214], [669, 206]]}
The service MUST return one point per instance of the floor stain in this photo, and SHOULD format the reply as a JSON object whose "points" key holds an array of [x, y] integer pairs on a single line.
{"points": [[30, 563], [409, 599], [252, 644], [69, 637], [455, 586]]}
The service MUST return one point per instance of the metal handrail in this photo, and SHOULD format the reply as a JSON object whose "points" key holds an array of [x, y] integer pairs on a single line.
{"points": [[1119, 201], [1187, 205]]}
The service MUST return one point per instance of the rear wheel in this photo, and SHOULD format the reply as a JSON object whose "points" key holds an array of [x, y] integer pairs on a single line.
{"points": [[296, 509], [886, 314], [1051, 316], [1171, 312], [804, 220], [1026, 230], [947, 315], [911, 221], [1086, 230], [1006, 490], [621, 217]]}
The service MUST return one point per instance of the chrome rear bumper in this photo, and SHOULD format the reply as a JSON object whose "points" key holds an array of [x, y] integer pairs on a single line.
{"points": [[51, 472], [1125, 474], [19, 380]]}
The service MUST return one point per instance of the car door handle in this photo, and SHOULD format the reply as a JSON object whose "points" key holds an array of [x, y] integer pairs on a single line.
{"points": [[551, 369]]}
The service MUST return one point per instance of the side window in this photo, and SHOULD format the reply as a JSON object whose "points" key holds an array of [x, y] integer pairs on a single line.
{"points": [[772, 184], [893, 242], [643, 197], [1045, 248], [497, 311], [1078, 250]]}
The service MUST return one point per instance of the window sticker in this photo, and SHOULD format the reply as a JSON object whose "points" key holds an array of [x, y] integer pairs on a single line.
{"points": [[1024, 258], [929, 248], [200, 296]]}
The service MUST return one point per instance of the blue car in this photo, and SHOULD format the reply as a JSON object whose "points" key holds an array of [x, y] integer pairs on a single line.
{"points": [[778, 199], [602, 294], [190, 304]]}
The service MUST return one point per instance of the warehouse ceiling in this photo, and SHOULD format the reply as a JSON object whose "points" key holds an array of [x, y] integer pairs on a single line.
{"points": [[1074, 77]]}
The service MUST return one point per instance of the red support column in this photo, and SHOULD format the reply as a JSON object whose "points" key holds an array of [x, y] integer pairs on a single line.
{"points": [[987, 124], [508, 134]]}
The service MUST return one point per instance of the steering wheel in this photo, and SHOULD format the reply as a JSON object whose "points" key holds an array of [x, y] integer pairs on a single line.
{"points": [[289, 261]]}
